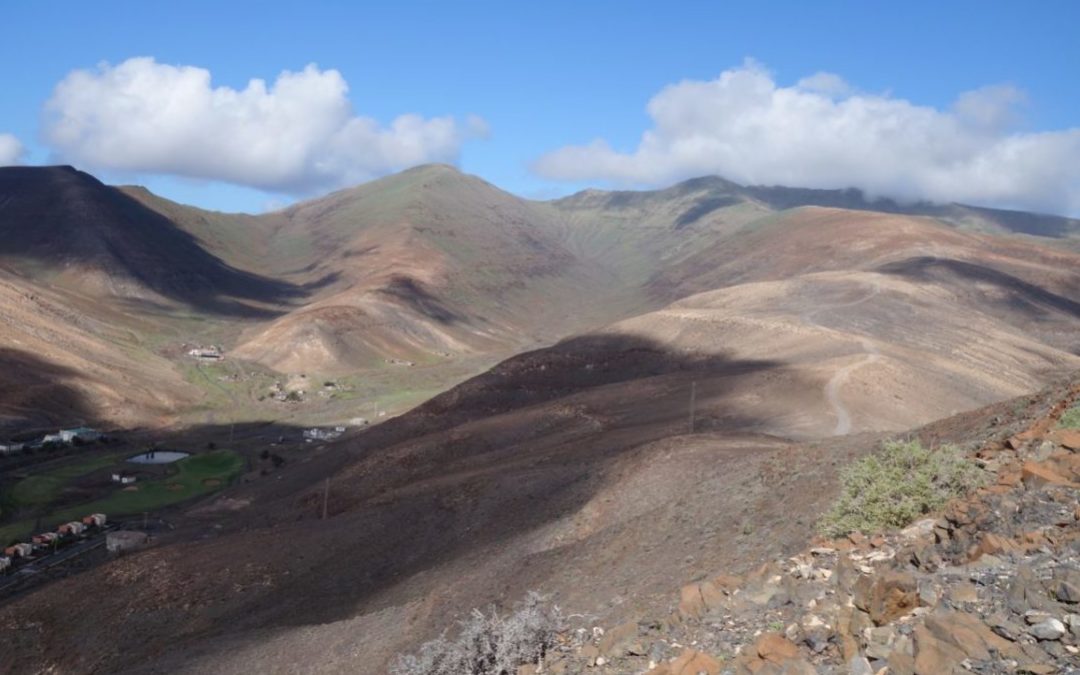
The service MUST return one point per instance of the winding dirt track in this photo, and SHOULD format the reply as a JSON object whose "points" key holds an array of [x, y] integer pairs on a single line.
{"points": [[832, 387]]}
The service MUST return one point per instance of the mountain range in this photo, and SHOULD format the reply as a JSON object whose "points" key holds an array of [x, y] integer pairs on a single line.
{"points": [[597, 394]]}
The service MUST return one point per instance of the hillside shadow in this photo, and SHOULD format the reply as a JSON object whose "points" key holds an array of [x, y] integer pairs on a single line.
{"points": [[1023, 295], [61, 217], [34, 394], [704, 208], [485, 463]]}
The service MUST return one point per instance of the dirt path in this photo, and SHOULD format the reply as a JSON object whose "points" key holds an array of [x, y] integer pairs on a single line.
{"points": [[832, 387]]}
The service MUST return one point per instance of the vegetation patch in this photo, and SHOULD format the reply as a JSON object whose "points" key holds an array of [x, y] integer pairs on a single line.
{"points": [[489, 644], [45, 487], [1070, 419], [194, 476], [898, 484]]}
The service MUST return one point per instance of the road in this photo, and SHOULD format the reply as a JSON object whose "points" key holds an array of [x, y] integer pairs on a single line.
{"points": [[831, 390]]}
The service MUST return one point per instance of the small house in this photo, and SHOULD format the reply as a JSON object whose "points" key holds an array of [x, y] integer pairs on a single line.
{"points": [[45, 538], [5, 562], [123, 478], [206, 353], [52, 438], [84, 434], [94, 520], [74, 527], [20, 550]]}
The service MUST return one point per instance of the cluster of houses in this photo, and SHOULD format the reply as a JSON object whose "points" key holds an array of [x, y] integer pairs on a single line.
{"points": [[48, 540], [62, 437]]}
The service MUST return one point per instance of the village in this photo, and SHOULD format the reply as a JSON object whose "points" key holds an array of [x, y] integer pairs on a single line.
{"points": [[27, 563], [64, 437]]}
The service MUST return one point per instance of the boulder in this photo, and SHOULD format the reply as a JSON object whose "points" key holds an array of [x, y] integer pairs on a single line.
{"points": [[887, 596], [946, 639], [1068, 438], [1026, 591], [1050, 629], [695, 600], [690, 662], [1035, 474], [995, 544], [772, 654]]}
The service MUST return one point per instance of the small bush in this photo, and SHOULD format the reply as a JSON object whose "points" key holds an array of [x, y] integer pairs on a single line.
{"points": [[488, 644], [897, 485], [1070, 419]]}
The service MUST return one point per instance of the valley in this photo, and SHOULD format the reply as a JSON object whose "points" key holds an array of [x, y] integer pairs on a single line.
{"points": [[515, 379]]}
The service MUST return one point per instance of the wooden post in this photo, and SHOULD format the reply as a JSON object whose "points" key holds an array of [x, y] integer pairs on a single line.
{"points": [[693, 395]]}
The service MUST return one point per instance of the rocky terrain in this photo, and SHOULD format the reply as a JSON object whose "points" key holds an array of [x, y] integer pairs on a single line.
{"points": [[989, 585]]}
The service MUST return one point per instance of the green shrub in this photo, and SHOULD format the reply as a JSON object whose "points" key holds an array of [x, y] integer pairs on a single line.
{"points": [[1070, 419], [897, 485]]}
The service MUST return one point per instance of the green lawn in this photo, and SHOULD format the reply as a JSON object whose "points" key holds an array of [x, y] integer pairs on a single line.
{"points": [[194, 476], [45, 487]]}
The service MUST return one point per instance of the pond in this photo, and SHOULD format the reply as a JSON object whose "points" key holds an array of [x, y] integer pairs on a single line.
{"points": [[158, 457]]}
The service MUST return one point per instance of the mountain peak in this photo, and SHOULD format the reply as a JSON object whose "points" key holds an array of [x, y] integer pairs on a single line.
{"points": [[434, 169]]}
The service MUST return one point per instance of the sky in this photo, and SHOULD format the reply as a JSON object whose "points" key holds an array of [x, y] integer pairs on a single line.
{"points": [[251, 106]]}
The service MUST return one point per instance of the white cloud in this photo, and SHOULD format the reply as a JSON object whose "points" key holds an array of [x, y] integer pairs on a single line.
{"points": [[11, 150], [296, 135], [829, 84], [818, 133]]}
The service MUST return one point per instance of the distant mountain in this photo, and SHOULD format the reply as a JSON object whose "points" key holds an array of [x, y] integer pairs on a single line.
{"points": [[427, 262], [77, 232], [433, 265]]}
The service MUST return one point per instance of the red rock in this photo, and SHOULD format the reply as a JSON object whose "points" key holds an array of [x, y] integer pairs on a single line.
{"points": [[887, 596], [995, 544], [691, 604], [690, 662], [775, 648], [1037, 474], [1069, 438], [1016, 442], [946, 639], [697, 599]]}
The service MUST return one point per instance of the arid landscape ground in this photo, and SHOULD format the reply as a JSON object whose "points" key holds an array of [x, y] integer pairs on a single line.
{"points": [[601, 397]]}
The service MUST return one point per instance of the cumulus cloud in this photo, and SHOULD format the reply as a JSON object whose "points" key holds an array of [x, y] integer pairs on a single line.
{"points": [[296, 135], [822, 133], [11, 150]]}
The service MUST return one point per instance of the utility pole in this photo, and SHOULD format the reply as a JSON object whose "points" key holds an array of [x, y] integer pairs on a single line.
{"points": [[693, 396], [325, 498]]}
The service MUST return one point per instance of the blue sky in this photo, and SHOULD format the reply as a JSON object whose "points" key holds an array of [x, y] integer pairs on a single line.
{"points": [[550, 79]]}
